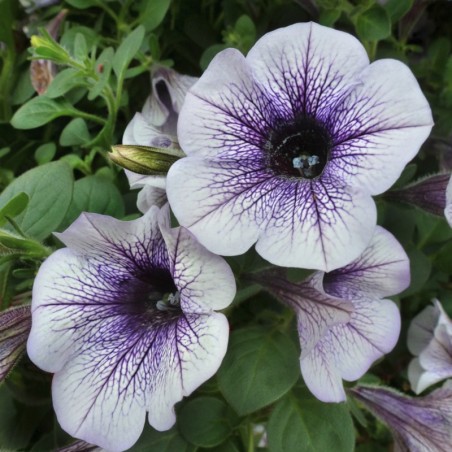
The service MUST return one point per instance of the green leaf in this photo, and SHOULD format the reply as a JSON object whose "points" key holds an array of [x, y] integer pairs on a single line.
{"points": [[39, 111], [105, 62], [373, 24], [329, 17], [206, 421], [63, 82], [420, 269], [94, 194], [80, 47], [301, 423], [23, 89], [19, 423], [169, 441], [127, 50], [13, 207], [45, 153], [75, 133], [251, 375], [397, 8], [153, 14], [49, 188]]}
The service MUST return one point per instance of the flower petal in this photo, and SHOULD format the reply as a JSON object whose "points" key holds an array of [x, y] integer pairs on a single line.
{"points": [[379, 127], [448, 209], [348, 350], [101, 395], [316, 224], [216, 206], [151, 196], [307, 68], [225, 114], [204, 280], [168, 93], [383, 269], [308, 224]]}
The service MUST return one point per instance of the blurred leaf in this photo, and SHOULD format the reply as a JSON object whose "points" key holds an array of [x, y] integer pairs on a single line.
{"points": [[94, 194], [23, 89], [49, 188], [206, 421], [80, 47], [13, 207], [329, 17], [39, 111], [45, 153], [397, 8], [250, 376], [420, 268], [18, 424], [168, 441], [63, 82], [301, 423], [75, 133], [103, 65], [127, 51], [373, 24], [153, 13]]}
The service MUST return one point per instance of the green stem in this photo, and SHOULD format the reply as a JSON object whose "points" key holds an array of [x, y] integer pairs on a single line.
{"points": [[88, 116], [250, 438]]}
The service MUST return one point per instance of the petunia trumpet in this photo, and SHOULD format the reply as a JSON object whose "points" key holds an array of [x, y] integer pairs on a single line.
{"points": [[343, 321], [289, 145], [125, 319]]}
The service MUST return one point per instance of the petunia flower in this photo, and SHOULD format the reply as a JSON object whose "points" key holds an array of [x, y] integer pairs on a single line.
{"points": [[421, 424], [124, 317], [156, 126], [430, 340], [289, 144], [432, 193], [343, 322]]}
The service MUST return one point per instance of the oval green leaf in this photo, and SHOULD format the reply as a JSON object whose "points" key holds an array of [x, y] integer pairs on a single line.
{"points": [[259, 368]]}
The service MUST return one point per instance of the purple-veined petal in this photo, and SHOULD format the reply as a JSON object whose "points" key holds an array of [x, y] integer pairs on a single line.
{"points": [[113, 319], [380, 126], [307, 68], [225, 114], [348, 350], [129, 370], [317, 225], [418, 424], [15, 324], [309, 224], [291, 142], [316, 311], [204, 280], [382, 270]]}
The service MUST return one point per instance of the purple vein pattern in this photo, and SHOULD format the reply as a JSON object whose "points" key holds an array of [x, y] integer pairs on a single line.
{"points": [[289, 144], [421, 424], [343, 322], [430, 340], [124, 317], [155, 126], [15, 324]]}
